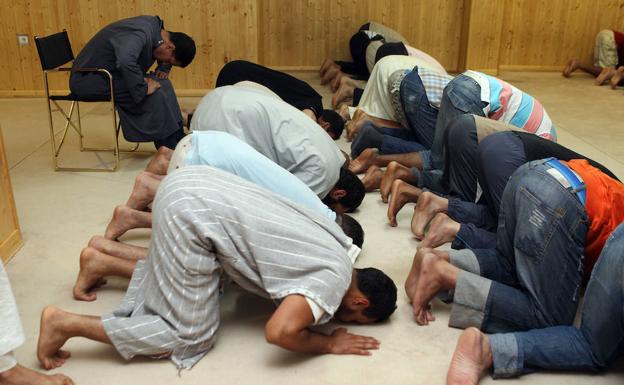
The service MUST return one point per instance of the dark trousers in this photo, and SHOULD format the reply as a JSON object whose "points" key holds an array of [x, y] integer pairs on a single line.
{"points": [[421, 116], [461, 96], [293, 91], [357, 45], [386, 140], [497, 157]]}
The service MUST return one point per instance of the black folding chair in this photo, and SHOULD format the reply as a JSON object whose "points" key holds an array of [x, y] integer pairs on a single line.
{"points": [[54, 52]]}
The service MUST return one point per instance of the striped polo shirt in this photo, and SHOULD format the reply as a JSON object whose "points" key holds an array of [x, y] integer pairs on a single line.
{"points": [[508, 104]]}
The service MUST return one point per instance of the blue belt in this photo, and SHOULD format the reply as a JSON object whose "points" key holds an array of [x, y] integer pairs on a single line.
{"points": [[576, 186]]}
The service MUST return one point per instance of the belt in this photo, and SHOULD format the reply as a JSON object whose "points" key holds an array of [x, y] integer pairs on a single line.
{"points": [[568, 178]]}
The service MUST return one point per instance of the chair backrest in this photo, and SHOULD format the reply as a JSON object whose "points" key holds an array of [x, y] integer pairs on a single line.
{"points": [[54, 50]]}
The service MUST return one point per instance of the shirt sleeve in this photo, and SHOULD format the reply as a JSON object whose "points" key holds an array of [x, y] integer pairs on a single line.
{"points": [[317, 311], [128, 48]]}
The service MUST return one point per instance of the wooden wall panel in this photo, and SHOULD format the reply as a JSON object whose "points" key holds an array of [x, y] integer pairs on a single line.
{"points": [[545, 34], [301, 33], [293, 33], [482, 41], [222, 29]]}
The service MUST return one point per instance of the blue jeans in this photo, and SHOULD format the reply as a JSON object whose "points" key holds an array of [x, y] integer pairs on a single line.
{"points": [[533, 277], [386, 140], [477, 229], [420, 114], [593, 346], [461, 96], [498, 156]]}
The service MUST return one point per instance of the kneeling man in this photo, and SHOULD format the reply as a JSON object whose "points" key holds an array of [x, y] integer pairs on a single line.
{"points": [[207, 222]]}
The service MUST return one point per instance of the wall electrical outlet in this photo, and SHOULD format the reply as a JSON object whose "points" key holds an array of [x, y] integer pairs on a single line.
{"points": [[22, 39]]}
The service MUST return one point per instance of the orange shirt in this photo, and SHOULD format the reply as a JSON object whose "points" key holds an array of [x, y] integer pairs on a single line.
{"points": [[604, 205]]}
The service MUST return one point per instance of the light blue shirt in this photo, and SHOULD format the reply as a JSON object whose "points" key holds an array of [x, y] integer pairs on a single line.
{"points": [[228, 153]]}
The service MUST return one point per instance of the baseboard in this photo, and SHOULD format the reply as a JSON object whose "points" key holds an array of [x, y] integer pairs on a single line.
{"points": [[192, 92], [296, 68], [10, 245], [488, 71], [528, 68]]}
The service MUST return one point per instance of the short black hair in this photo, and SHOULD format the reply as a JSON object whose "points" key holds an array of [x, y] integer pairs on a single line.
{"points": [[184, 47], [351, 228], [354, 187], [388, 49], [380, 291], [336, 124]]}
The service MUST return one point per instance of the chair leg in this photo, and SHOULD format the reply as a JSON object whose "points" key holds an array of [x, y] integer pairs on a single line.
{"points": [[80, 136], [115, 133], [50, 120], [68, 122]]}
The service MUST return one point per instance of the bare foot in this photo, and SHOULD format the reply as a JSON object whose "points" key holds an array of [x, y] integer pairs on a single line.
{"points": [[51, 338], [402, 193], [335, 82], [412, 278], [442, 229], [19, 375], [325, 66], [427, 207], [364, 161], [355, 126], [330, 73], [160, 162], [617, 77], [605, 75], [144, 190], [394, 170], [430, 281], [124, 219], [343, 111], [372, 178], [471, 360], [89, 277], [343, 92], [572, 66], [115, 227]]}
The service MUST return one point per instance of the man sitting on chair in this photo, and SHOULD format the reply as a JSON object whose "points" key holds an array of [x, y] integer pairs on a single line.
{"points": [[147, 104]]}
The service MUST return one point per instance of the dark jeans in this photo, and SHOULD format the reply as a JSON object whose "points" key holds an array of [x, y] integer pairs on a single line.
{"points": [[497, 157], [386, 140], [420, 114], [357, 96], [593, 346], [460, 174], [461, 96], [533, 277]]}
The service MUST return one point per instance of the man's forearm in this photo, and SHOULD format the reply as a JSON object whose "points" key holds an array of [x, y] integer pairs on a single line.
{"points": [[303, 341]]}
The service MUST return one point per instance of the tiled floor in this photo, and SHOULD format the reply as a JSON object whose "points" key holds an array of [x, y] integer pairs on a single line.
{"points": [[59, 211]]}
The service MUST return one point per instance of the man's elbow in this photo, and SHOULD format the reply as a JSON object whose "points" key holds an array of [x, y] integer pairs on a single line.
{"points": [[279, 335], [274, 334]]}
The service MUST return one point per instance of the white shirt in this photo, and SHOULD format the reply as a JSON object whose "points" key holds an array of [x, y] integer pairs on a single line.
{"points": [[275, 129]]}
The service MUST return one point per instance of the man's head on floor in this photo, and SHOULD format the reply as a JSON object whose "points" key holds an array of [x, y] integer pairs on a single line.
{"points": [[348, 193], [177, 49], [371, 297], [331, 122]]}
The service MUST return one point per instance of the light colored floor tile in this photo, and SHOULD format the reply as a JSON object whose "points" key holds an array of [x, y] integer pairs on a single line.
{"points": [[60, 211]]}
